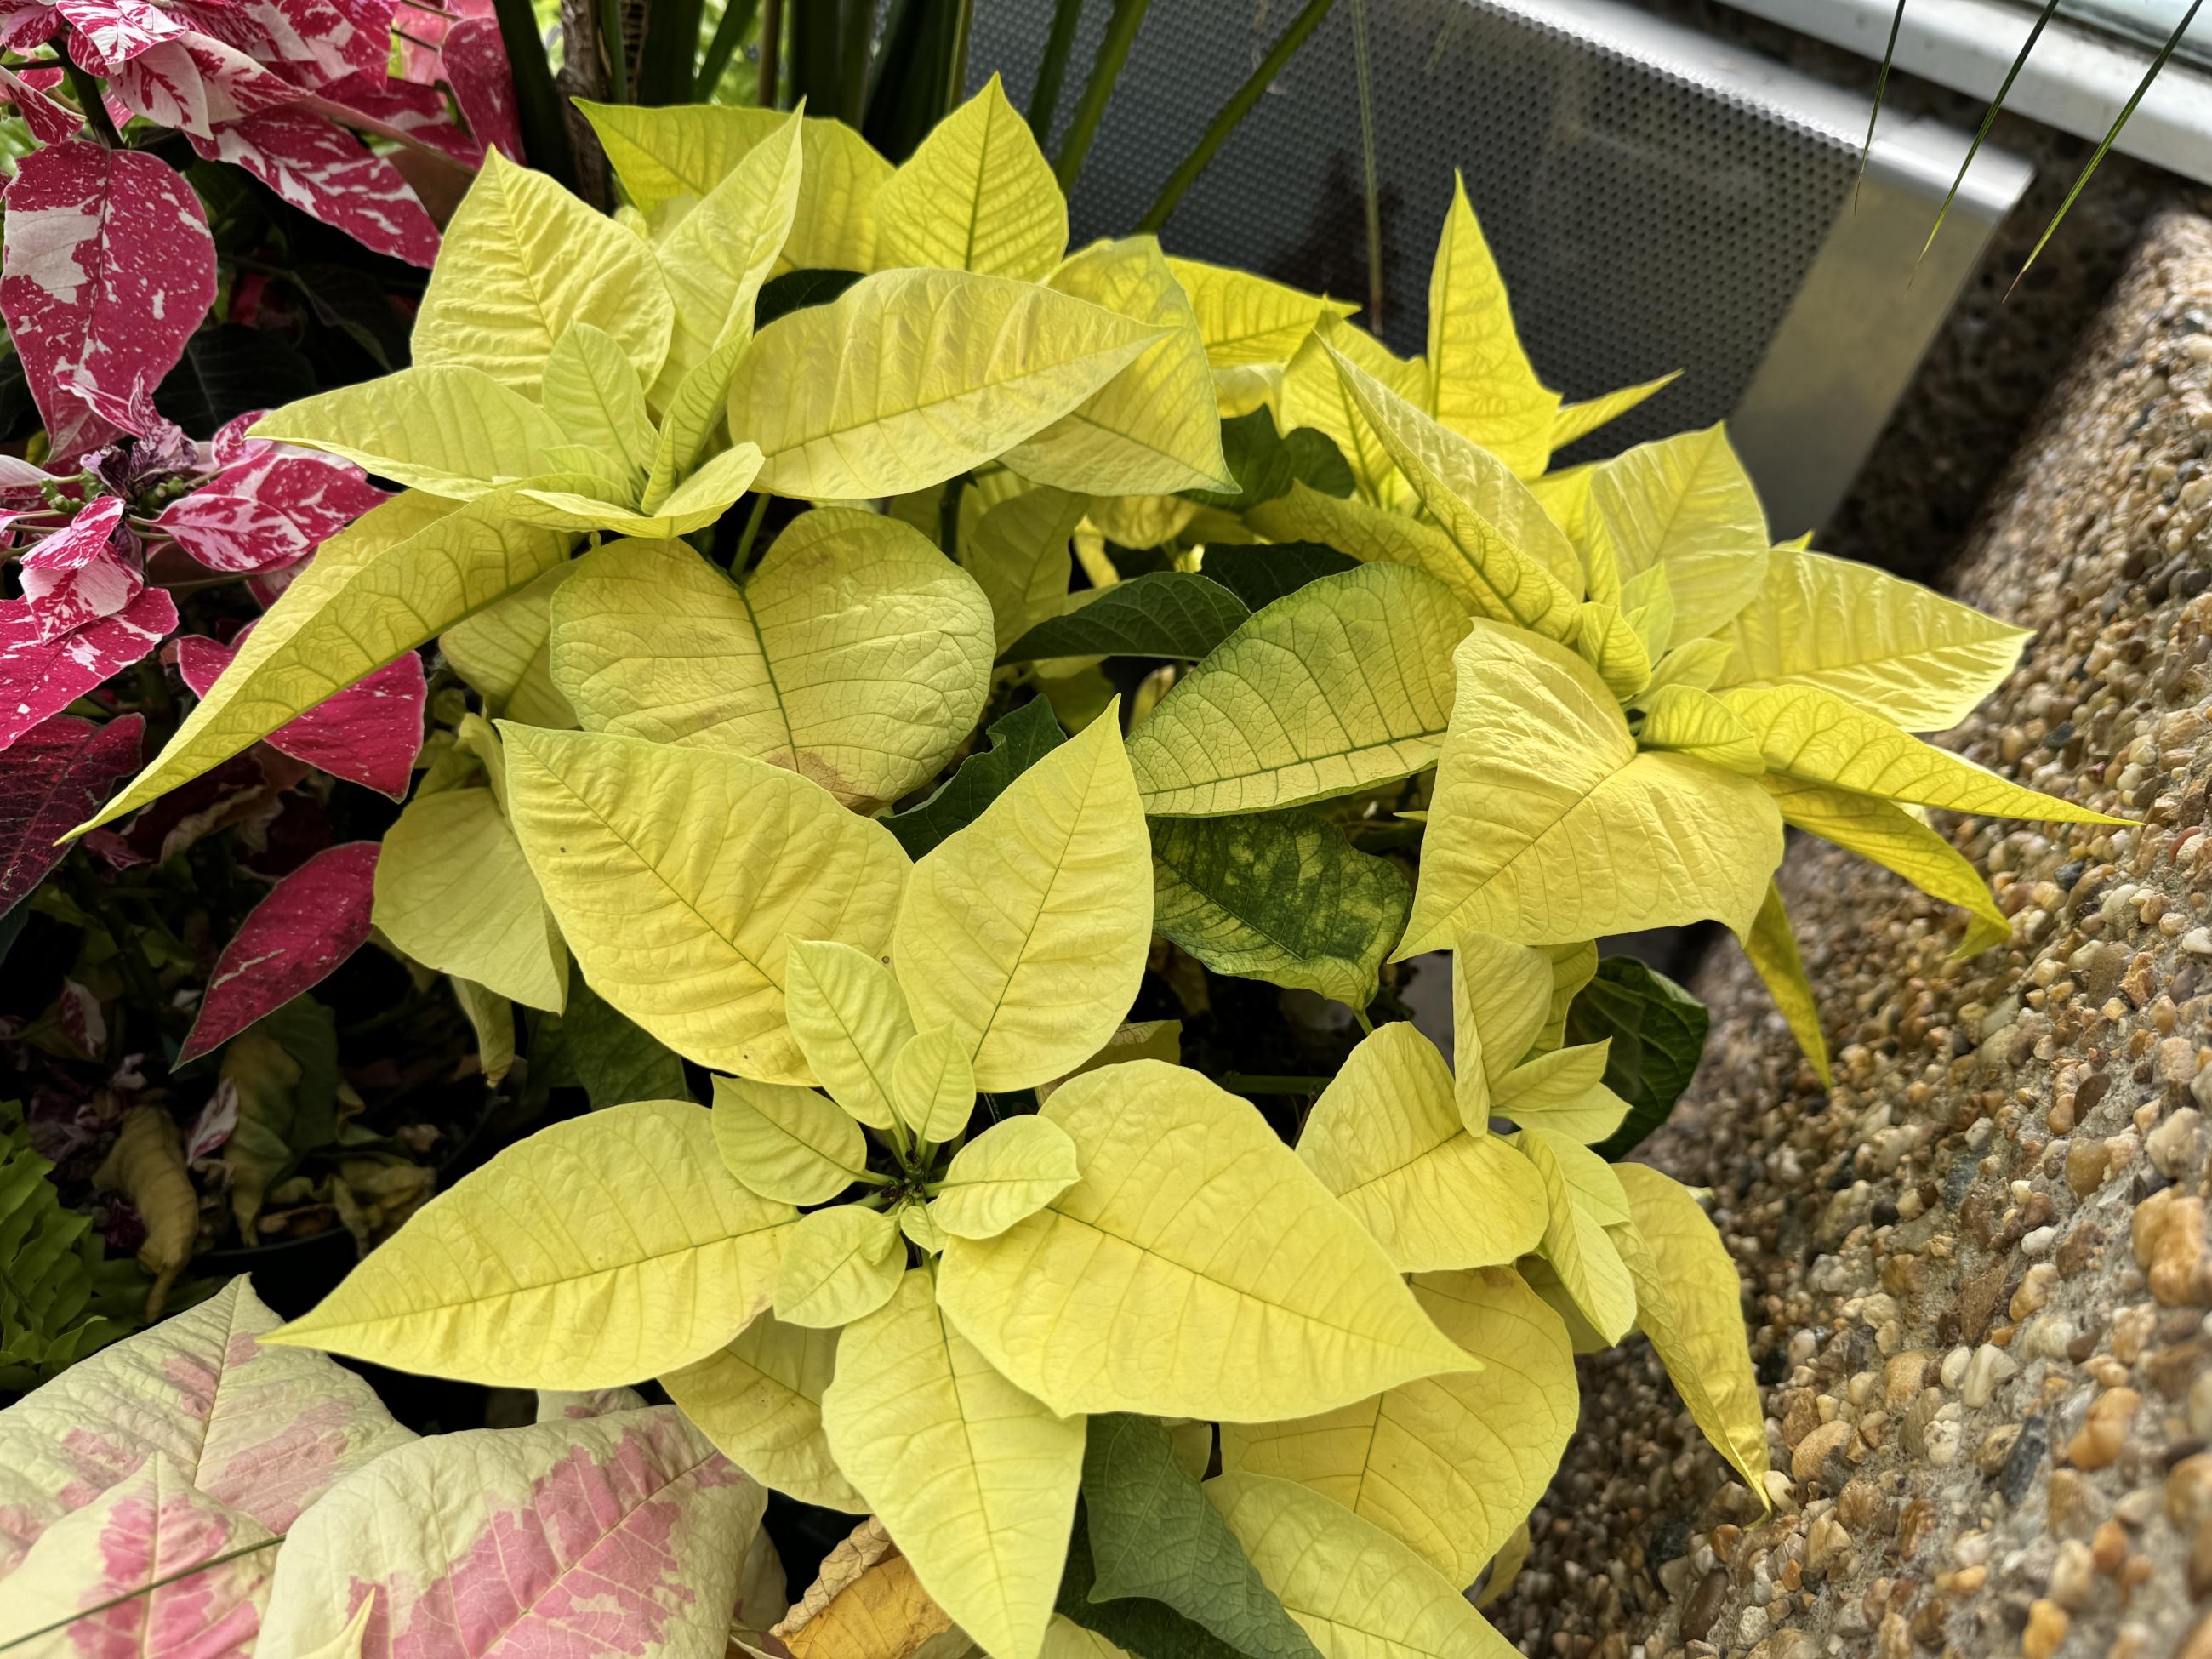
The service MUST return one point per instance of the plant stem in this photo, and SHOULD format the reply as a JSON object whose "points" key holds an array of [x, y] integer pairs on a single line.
{"points": [[1372, 190], [615, 48], [1112, 51], [771, 46], [948, 516], [1240, 104], [752, 529], [736, 17], [87, 91], [1052, 68]]}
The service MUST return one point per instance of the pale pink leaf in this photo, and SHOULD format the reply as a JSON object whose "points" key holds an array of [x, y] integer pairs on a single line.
{"points": [[475, 59], [270, 505], [610, 1536], [325, 171], [51, 121], [76, 575], [310, 922], [40, 677], [310, 43], [111, 32], [125, 1564], [559, 1406], [83, 1020], [369, 733], [216, 1120], [264, 1430], [106, 268], [27, 26], [52, 779], [197, 84]]}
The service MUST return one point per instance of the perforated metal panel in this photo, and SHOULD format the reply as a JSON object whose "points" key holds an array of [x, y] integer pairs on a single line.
{"points": [[1657, 199]]}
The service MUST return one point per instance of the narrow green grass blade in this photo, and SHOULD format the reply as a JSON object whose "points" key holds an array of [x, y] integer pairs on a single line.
{"points": [[536, 103], [1370, 189], [1881, 89], [1052, 68], [1989, 120], [1112, 51], [729, 34], [669, 51]]}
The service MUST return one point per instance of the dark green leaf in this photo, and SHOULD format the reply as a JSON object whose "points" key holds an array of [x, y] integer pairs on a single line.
{"points": [[616, 1061], [1154, 1534], [52, 1310], [537, 103], [228, 370], [1052, 68], [795, 290], [1658, 1035], [1170, 613], [670, 47], [1020, 739], [308, 1032], [1279, 897], [921, 72], [1120, 33], [1265, 464], [354, 301], [737, 21], [1148, 1629], [1262, 572]]}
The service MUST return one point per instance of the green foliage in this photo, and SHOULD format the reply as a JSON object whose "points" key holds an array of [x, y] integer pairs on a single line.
{"points": [[1019, 740], [1168, 613], [1657, 1031], [59, 1299]]}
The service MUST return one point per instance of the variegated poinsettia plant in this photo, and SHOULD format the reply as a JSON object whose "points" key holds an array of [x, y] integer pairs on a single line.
{"points": [[738, 514]]}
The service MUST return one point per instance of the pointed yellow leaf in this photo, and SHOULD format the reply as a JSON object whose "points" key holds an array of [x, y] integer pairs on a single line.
{"points": [[920, 1226], [1818, 736], [1025, 931], [1565, 498], [912, 377], [1009, 1172], [850, 1020], [1501, 1001], [1137, 521], [603, 1250], [448, 429], [1918, 659], [1449, 1466], [580, 502], [454, 893], [1198, 1268], [1685, 502], [1373, 535], [1505, 1567], [1690, 1304], [521, 260], [839, 1265], [1386, 1137], [1696, 665], [933, 1086], [679, 877], [1563, 1092], [1772, 948], [500, 651], [1573, 966], [787, 1143], [395, 579], [1894, 838], [1481, 384], [975, 1478], [1153, 428], [1246, 319], [1689, 721], [1647, 600], [491, 1018], [1575, 422], [1610, 642], [977, 194], [1343, 685], [760, 1401], [1066, 1639], [1516, 566], [1314, 394], [1358, 1591], [1585, 1198], [855, 654], [707, 492], [592, 392], [1548, 827], [720, 254], [1016, 550]]}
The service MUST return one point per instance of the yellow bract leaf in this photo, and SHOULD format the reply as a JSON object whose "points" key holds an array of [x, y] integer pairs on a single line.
{"points": [[1573, 966], [492, 1018], [1066, 1639], [606, 1249], [977, 194], [1386, 1137], [1025, 931], [1198, 1268], [454, 893], [1010, 1171], [1315, 394], [1696, 665], [1578, 420], [500, 651], [1341, 685], [975, 1478], [718, 256], [450, 430], [1548, 827], [1585, 1199], [1772, 949], [839, 1265], [1373, 535], [1913, 657], [1685, 502], [1610, 642], [760, 1401], [1816, 735], [855, 654], [1500, 1001], [1016, 550], [522, 260], [1358, 1591], [1481, 384], [850, 1020], [1694, 722], [1516, 566], [591, 393], [1449, 1466], [1563, 1092], [787, 1143], [912, 377], [1894, 838], [390, 582], [1245, 318], [1689, 1303], [933, 1086], [679, 877]]}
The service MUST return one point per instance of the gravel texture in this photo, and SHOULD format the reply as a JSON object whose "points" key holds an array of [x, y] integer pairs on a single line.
{"points": [[1976, 1274]]}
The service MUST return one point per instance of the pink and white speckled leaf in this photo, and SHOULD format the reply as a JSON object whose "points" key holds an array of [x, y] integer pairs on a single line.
{"points": [[475, 59], [40, 677], [264, 1430], [197, 83], [152, 1568], [610, 1536], [26, 27], [111, 32], [51, 780], [107, 270], [51, 121], [561, 1406], [401, 107], [310, 922], [311, 43], [270, 505], [76, 575], [325, 171], [369, 734]]}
